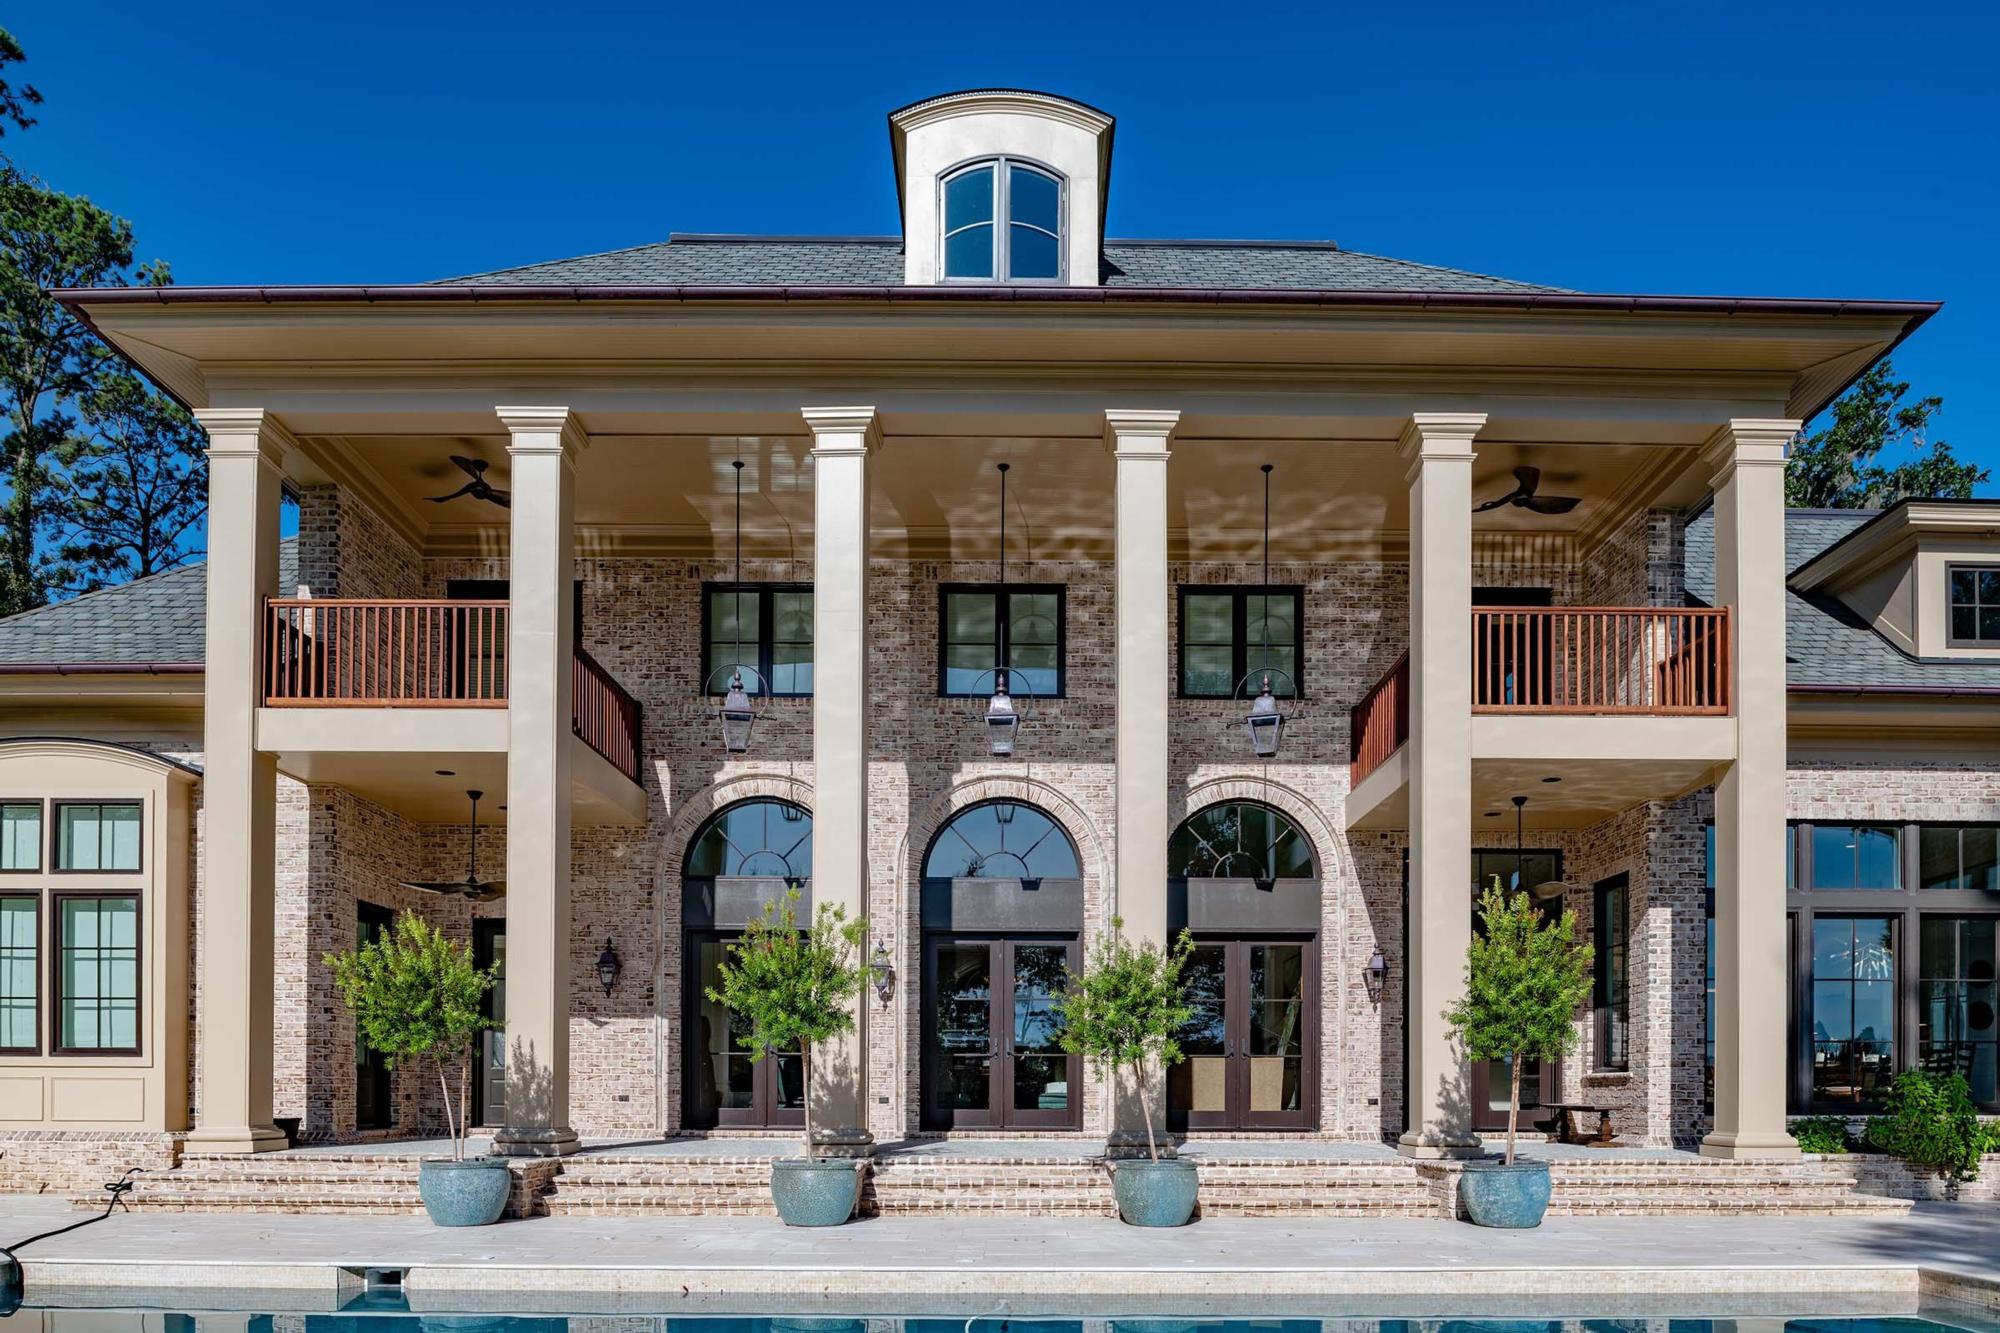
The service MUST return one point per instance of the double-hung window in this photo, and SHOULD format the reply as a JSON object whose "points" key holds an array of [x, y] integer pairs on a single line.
{"points": [[1002, 222], [766, 629], [1231, 637], [988, 628]]}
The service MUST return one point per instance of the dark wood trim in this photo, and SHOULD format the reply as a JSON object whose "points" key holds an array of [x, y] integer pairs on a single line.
{"points": [[1236, 1015], [763, 1111], [764, 645], [1239, 657], [41, 1008], [999, 1112], [56, 808], [1002, 622], [56, 900], [1601, 1013]]}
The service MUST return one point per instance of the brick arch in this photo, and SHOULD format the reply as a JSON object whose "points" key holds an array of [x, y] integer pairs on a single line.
{"points": [[1046, 797], [1329, 851]]}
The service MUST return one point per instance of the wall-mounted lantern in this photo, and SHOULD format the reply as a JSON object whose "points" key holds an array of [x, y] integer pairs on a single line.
{"points": [[882, 969], [1375, 976], [609, 965]]}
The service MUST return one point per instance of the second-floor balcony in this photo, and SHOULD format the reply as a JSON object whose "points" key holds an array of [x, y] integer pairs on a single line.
{"points": [[324, 652]]}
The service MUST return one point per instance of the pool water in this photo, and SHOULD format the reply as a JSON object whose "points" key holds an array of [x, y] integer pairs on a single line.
{"points": [[383, 1313]]}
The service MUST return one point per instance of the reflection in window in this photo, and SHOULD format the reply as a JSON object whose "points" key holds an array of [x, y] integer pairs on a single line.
{"points": [[97, 946], [1228, 634], [1956, 1002], [1853, 1008], [767, 630], [1954, 857], [21, 836], [1003, 221], [763, 839], [1027, 618], [1610, 963], [97, 837], [19, 925], [1516, 871], [1854, 856], [1002, 840], [1239, 841]]}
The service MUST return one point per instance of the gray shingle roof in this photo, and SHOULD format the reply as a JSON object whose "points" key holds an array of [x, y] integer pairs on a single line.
{"points": [[161, 618], [792, 261], [1826, 644]]}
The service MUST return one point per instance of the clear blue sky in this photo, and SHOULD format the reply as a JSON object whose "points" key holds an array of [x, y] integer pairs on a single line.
{"points": [[1838, 150]]}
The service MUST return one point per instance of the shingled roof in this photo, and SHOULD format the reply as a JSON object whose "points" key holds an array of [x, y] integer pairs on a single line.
{"points": [[1828, 646], [877, 261], [160, 619]]}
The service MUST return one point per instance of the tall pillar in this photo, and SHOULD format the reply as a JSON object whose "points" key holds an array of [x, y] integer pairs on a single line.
{"points": [[1438, 449], [541, 560], [1141, 442], [239, 788], [1747, 459], [843, 438]]}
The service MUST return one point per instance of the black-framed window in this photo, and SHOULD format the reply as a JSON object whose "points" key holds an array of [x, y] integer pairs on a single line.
{"points": [[97, 973], [1226, 633], [1611, 923], [1962, 857], [97, 837], [20, 973], [1974, 612], [976, 619], [1958, 995], [20, 837], [1854, 972], [1853, 856], [767, 627]]}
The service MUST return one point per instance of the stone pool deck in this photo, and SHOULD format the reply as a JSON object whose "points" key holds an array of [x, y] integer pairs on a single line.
{"points": [[1591, 1265]]}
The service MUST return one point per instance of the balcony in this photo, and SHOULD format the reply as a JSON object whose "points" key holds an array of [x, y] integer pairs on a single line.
{"points": [[427, 654]]}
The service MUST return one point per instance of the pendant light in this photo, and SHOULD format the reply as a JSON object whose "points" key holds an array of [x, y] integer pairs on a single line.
{"points": [[737, 714], [1266, 723], [1003, 720]]}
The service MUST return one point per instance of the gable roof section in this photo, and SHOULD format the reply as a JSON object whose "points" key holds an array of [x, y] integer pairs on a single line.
{"points": [[684, 260], [1827, 646], [157, 621]]}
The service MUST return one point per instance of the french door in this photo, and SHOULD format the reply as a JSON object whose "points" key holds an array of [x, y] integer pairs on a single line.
{"points": [[489, 1088], [725, 1087], [991, 1060], [1252, 1047]]}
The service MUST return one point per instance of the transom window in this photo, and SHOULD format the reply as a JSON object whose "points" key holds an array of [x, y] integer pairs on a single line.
{"points": [[766, 628], [21, 836], [767, 839], [978, 620], [1002, 840], [97, 837], [1239, 841], [1975, 604], [1002, 223], [1229, 633]]}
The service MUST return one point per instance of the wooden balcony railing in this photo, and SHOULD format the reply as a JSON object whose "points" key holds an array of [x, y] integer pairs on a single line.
{"points": [[333, 652], [1662, 661], [1381, 721]]}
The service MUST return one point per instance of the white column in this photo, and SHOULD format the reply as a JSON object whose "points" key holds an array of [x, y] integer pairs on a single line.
{"points": [[1747, 459], [239, 787], [843, 438], [1438, 449], [1141, 442], [541, 561]]}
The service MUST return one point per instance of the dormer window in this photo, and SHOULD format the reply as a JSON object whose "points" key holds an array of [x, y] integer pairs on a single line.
{"points": [[1975, 605], [1002, 223]]}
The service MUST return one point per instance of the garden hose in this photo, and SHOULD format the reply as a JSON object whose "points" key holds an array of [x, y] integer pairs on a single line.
{"points": [[13, 1288]]}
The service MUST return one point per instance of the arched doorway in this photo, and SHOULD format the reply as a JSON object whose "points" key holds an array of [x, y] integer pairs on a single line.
{"points": [[1002, 913], [744, 858], [1244, 882]]}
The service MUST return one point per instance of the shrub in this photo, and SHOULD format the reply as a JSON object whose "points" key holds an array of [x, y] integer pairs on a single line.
{"points": [[1821, 1133], [1126, 1008], [1930, 1123], [1989, 1136]]}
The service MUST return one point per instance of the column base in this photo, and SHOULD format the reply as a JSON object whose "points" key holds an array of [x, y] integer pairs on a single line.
{"points": [[535, 1141], [1125, 1144], [235, 1139], [843, 1141], [1436, 1146], [1736, 1145]]}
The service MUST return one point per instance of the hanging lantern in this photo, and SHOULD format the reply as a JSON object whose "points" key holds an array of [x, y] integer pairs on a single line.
{"points": [[1001, 719], [738, 717], [609, 965], [1266, 724]]}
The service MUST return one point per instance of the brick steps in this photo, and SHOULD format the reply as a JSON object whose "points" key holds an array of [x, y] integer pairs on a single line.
{"points": [[661, 1187]]}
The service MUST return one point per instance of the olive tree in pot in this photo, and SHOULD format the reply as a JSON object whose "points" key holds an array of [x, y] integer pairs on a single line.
{"points": [[1525, 978], [416, 996], [1122, 1015], [795, 989]]}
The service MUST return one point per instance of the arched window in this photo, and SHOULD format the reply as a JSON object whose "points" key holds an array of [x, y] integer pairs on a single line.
{"points": [[1239, 841], [1002, 222], [1002, 840], [765, 839]]}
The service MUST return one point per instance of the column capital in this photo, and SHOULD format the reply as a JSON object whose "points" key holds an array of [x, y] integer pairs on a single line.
{"points": [[843, 430], [543, 430], [1748, 442], [1442, 435], [1140, 432], [244, 432]]}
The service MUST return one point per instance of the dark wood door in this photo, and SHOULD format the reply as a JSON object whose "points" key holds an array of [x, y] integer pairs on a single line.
{"points": [[1252, 1047], [489, 1082], [726, 1088], [374, 1105], [991, 1060]]}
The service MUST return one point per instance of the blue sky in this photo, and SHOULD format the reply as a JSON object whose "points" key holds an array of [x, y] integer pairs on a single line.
{"points": [[1836, 150]]}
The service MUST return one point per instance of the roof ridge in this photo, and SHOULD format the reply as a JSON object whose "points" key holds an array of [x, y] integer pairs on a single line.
{"points": [[758, 238], [1457, 272], [1226, 243], [154, 577], [544, 263]]}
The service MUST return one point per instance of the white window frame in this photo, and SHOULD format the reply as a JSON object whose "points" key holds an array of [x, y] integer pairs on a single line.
{"points": [[1003, 220]]}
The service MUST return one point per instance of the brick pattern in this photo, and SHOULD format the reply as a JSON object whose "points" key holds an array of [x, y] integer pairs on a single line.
{"points": [[79, 1162]]}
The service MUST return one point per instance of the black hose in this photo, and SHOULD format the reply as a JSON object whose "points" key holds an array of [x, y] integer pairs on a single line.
{"points": [[13, 1286]]}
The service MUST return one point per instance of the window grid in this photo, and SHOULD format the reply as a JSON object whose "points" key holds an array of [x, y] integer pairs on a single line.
{"points": [[1030, 618], [20, 837], [97, 974], [1207, 651], [20, 991], [97, 837], [1974, 610], [965, 210], [776, 633]]}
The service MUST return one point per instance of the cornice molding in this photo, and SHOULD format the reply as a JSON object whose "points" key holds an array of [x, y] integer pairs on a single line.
{"points": [[1747, 442], [1000, 101]]}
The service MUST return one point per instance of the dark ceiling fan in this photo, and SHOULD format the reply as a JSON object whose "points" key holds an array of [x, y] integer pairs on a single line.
{"points": [[471, 887], [478, 488], [1523, 496]]}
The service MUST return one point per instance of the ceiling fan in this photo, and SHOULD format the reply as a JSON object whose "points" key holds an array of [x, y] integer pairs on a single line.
{"points": [[1523, 496], [478, 488], [472, 888]]}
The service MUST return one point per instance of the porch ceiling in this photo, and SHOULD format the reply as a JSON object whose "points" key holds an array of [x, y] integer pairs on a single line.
{"points": [[412, 786]]}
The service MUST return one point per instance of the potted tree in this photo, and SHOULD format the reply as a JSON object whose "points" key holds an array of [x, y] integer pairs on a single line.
{"points": [[416, 996], [1525, 978], [1123, 1015], [795, 989]]}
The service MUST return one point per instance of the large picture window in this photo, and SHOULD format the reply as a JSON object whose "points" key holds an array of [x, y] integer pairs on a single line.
{"points": [[97, 837], [976, 620], [1853, 1008], [20, 997], [1957, 999], [97, 974], [765, 627], [1229, 633]]}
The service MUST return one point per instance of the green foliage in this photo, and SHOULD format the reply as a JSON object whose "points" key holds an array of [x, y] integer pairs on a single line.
{"points": [[416, 995], [1127, 1008], [1524, 981], [793, 988], [135, 486], [1989, 1137], [1929, 1122], [1821, 1133], [1836, 468], [14, 102]]}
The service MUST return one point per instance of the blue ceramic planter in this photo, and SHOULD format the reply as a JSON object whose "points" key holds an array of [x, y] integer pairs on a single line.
{"points": [[471, 1193], [821, 1192], [1496, 1195], [1154, 1194]]}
